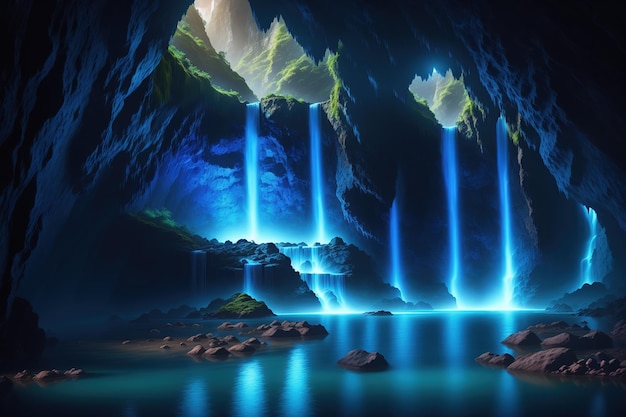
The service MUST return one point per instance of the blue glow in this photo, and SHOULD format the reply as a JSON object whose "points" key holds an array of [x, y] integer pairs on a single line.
{"points": [[252, 166], [394, 244], [450, 176], [195, 399], [586, 271], [252, 277], [508, 274], [317, 184], [249, 390], [326, 285], [295, 398], [198, 271]]}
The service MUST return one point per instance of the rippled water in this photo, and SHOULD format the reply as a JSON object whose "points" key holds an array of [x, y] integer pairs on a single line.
{"points": [[432, 373]]}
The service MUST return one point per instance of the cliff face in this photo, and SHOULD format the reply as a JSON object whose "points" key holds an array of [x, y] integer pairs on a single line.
{"points": [[95, 111]]}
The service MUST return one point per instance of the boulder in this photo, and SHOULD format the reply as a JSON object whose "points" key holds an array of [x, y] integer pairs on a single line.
{"points": [[313, 330], [378, 313], [545, 361], [523, 338], [493, 359], [48, 375], [74, 372], [596, 339], [564, 339], [197, 350], [241, 348], [361, 360], [281, 332], [216, 352]]}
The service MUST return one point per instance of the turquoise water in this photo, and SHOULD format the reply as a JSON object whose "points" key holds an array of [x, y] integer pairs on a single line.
{"points": [[432, 373]]}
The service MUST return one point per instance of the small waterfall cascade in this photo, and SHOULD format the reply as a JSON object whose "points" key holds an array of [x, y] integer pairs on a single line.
{"points": [[198, 272], [252, 278], [395, 247], [508, 272], [586, 264], [252, 166], [328, 287], [317, 183], [450, 175]]}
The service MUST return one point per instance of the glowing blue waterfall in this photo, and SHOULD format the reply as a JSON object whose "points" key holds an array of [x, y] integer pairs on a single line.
{"points": [[450, 176], [198, 271], [317, 184], [252, 278], [328, 287], [394, 244], [586, 272], [508, 274], [252, 166]]}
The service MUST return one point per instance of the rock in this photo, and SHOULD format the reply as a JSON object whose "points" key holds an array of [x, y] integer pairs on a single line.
{"points": [[74, 372], [619, 329], [197, 350], [253, 341], [596, 339], [20, 334], [313, 330], [216, 352], [48, 375], [197, 337], [378, 313], [523, 338], [361, 360], [242, 305], [281, 332], [242, 348], [545, 361], [168, 339], [224, 326], [125, 342], [155, 331], [23, 375], [564, 339], [231, 340], [274, 323], [164, 347], [494, 359]]}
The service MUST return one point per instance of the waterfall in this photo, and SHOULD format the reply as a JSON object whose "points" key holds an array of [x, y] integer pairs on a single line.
{"points": [[328, 287], [252, 166], [252, 278], [394, 244], [586, 271], [450, 176], [508, 273], [317, 184], [198, 271]]}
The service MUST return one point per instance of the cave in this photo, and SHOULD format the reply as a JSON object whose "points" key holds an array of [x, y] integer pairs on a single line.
{"points": [[423, 183]]}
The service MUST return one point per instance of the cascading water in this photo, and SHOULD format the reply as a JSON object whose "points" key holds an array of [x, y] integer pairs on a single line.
{"points": [[198, 271], [508, 273], [586, 271], [252, 278], [328, 287], [317, 184], [394, 244], [450, 176], [252, 166]]}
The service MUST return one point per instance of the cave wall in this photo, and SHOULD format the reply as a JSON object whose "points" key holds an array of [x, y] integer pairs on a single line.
{"points": [[83, 134]]}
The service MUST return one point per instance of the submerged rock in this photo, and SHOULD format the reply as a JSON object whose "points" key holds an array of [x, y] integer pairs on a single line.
{"points": [[493, 359], [361, 360]]}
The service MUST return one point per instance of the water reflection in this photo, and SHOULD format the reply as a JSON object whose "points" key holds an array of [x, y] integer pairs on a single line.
{"points": [[249, 391], [295, 397], [598, 405], [453, 346], [195, 399]]}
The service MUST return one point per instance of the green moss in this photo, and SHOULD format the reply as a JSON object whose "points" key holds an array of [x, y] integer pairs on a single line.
{"points": [[421, 107], [161, 219], [471, 115], [332, 64], [243, 305]]}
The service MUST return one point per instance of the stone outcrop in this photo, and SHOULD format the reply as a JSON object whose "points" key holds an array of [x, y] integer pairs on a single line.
{"points": [[362, 360]]}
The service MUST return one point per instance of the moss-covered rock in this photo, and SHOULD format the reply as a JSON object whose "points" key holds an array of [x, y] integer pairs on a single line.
{"points": [[241, 305]]}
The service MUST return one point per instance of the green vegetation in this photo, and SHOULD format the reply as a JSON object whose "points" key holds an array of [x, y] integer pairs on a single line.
{"points": [[191, 46], [332, 65], [242, 305], [421, 107], [161, 220], [471, 115], [279, 65]]}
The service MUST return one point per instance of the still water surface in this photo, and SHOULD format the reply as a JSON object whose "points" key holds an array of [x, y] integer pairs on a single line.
{"points": [[432, 373]]}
